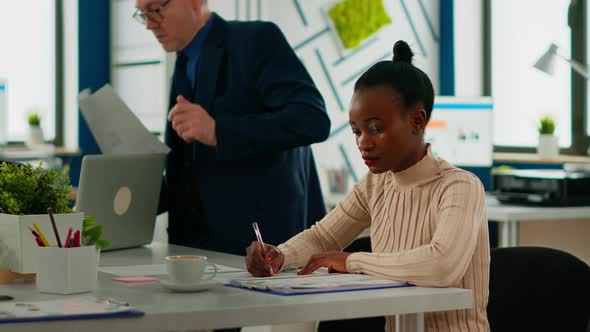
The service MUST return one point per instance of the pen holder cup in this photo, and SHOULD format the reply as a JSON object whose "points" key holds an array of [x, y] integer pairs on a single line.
{"points": [[17, 243], [66, 270]]}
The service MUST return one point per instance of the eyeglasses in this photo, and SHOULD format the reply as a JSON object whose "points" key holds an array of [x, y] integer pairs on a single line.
{"points": [[153, 14]]}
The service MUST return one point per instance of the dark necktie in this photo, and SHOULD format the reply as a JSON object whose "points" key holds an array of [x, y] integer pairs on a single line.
{"points": [[180, 86], [184, 165], [182, 83]]}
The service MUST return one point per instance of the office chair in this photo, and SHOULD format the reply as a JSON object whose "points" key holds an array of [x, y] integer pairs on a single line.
{"points": [[538, 289], [371, 324]]}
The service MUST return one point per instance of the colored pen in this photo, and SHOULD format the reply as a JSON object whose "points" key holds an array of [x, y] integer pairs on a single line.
{"points": [[259, 237], [37, 238], [33, 231], [68, 238], [50, 213], [41, 236], [77, 238]]}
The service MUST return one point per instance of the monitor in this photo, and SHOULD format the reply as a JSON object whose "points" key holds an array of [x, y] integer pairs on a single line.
{"points": [[460, 130]]}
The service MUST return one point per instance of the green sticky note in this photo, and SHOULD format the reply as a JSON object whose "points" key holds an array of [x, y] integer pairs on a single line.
{"points": [[356, 20]]}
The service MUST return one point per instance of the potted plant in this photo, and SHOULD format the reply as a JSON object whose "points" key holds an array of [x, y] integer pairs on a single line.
{"points": [[25, 194], [91, 233], [548, 144], [35, 130]]}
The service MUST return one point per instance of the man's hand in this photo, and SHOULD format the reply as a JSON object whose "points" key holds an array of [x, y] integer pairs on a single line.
{"points": [[335, 261], [192, 123], [257, 265]]}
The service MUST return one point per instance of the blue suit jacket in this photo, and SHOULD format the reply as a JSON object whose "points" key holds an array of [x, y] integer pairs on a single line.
{"points": [[267, 112]]}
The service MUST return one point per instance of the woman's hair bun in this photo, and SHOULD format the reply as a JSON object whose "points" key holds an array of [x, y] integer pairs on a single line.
{"points": [[402, 52]]}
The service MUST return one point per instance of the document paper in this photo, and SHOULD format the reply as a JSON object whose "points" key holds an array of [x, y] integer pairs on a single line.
{"points": [[66, 308], [116, 129]]}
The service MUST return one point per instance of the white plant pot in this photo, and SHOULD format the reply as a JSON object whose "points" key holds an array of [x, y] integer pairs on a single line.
{"points": [[18, 243], [35, 136], [548, 146]]}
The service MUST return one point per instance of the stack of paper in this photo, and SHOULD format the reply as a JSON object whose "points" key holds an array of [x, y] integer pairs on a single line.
{"points": [[115, 127]]}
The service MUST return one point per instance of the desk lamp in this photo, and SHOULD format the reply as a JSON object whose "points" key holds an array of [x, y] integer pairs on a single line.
{"points": [[546, 62]]}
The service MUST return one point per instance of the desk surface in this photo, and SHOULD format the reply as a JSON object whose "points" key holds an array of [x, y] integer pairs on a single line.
{"points": [[534, 158], [225, 307], [510, 213], [44, 151]]}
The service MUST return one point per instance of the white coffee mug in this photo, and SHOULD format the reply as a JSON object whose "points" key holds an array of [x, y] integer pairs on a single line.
{"points": [[188, 269]]}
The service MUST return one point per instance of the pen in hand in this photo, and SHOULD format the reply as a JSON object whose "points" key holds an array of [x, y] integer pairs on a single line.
{"points": [[259, 238]]}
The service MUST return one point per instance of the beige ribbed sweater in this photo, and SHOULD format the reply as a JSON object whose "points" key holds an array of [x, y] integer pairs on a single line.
{"points": [[428, 227]]}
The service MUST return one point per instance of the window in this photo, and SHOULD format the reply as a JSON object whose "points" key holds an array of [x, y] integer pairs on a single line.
{"points": [[521, 93], [585, 37], [521, 31], [27, 64]]}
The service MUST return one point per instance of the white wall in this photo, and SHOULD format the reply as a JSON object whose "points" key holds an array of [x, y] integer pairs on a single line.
{"points": [[138, 67], [27, 63], [305, 26], [468, 35], [416, 22], [71, 115]]}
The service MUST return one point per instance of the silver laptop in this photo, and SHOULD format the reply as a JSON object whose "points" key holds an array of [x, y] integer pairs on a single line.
{"points": [[122, 192]]}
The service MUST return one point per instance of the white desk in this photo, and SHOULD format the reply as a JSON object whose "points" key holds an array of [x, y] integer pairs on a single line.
{"points": [[225, 307], [510, 217]]}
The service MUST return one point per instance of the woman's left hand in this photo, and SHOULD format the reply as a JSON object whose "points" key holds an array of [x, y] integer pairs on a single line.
{"points": [[335, 261]]}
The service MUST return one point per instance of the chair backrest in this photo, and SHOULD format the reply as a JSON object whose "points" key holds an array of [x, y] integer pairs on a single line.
{"points": [[538, 289]]}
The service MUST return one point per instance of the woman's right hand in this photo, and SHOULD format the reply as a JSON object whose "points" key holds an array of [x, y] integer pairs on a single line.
{"points": [[258, 265]]}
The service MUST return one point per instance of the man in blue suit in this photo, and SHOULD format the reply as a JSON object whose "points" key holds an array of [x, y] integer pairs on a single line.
{"points": [[243, 111]]}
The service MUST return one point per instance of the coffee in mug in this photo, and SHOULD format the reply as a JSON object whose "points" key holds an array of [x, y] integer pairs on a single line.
{"points": [[188, 269]]}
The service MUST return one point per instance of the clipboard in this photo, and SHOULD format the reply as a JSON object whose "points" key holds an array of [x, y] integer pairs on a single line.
{"points": [[127, 313], [315, 284], [87, 307], [291, 292]]}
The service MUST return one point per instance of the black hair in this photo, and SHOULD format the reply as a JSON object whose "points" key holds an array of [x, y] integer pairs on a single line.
{"points": [[411, 83]]}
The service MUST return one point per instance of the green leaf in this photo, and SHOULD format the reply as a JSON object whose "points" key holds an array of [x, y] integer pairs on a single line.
{"points": [[25, 189], [93, 233], [547, 125], [102, 244], [34, 120], [88, 222]]}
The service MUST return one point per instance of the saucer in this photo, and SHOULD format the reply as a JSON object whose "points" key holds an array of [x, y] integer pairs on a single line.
{"points": [[194, 287]]}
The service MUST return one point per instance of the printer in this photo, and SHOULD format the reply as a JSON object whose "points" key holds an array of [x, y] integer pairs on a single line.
{"points": [[542, 187]]}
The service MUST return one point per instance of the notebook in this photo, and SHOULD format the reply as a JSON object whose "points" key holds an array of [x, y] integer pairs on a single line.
{"points": [[85, 307], [315, 283]]}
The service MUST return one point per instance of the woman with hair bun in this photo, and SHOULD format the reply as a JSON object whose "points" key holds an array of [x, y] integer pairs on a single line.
{"points": [[426, 218]]}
